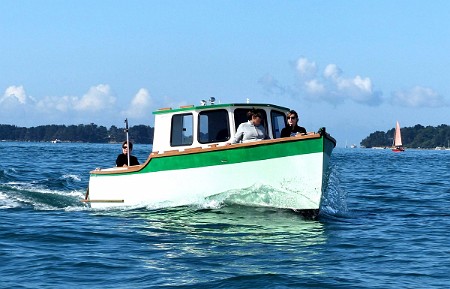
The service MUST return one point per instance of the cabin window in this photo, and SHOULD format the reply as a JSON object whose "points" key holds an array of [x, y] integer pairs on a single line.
{"points": [[181, 134], [240, 116], [213, 126], [278, 122]]}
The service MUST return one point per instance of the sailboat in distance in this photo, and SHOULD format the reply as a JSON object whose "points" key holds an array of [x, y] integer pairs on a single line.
{"points": [[397, 145]]}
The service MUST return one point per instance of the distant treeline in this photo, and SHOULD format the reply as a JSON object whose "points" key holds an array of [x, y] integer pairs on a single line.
{"points": [[412, 137], [90, 133]]}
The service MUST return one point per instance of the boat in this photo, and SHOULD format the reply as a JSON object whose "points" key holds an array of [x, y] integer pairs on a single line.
{"points": [[56, 141], [192, 159], [397, 145]]}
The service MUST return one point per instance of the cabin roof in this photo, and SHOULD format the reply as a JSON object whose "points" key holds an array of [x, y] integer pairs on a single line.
{"points": [[214, 106]]}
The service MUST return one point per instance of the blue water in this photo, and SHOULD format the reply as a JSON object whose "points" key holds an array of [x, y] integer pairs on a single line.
{"points": [[385, 223]]}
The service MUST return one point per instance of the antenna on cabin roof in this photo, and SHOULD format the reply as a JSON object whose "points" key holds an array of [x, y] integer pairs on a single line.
{"points": [[203, 102], [248, 100], [212, 99]]}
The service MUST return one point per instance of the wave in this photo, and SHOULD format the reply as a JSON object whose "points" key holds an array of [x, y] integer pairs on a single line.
{"points": [[31, 195], [41, 190], [255, 196], [7, 203], [334, 199], [7, 174]]}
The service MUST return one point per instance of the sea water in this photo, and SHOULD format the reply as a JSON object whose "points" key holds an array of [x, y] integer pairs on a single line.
{"points": [[385, 223]]}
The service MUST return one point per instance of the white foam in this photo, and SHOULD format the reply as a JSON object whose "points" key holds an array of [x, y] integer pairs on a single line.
{"points": [[71, 176], [7, 203]]}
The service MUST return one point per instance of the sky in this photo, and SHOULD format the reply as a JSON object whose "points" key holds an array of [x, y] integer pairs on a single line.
{"points": [[354, 67]]}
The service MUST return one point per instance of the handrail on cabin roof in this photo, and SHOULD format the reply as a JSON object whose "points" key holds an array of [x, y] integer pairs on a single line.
{"points": [[213, 106]]}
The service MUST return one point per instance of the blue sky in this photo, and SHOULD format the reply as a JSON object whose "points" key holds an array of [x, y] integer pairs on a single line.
{"points": [[354, 67]]}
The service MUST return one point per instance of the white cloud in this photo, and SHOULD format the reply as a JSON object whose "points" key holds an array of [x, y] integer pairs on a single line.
{"points": [[357, 89], [305, 68], [314, 87], [14, 95], [140, 105], [51, 103], [418, 97], [97, 98], [332, 71], [329, 86], [97, 105]]}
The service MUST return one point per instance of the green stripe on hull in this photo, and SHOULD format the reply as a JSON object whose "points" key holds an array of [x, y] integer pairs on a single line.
{"points": [[233, 155]]}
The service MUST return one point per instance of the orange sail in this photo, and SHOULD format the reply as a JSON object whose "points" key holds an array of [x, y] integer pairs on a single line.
{"points": [[397, 146], [398, 136]]}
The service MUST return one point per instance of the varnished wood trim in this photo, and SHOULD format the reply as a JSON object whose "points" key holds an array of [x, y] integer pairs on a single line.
{"points": [[102, 201], [192, 150], [168, 153], [118, 169]]}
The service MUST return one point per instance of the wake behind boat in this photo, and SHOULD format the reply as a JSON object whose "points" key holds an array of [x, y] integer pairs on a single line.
{"points": [[192, 159]]}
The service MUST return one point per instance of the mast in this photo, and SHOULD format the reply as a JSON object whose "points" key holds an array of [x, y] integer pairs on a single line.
{"points": [[128, 141]]}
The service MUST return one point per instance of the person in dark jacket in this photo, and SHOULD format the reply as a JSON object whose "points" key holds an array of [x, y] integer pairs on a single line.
{"points": [[122, 159], [292, 129]]}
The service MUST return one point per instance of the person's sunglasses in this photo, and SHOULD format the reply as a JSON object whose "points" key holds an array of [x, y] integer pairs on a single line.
{"points": [[291, 117], [124, 148]]}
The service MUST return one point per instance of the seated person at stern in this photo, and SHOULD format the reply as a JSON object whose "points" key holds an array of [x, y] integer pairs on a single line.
{"points": [[251, 130], [292, 129], [122, 159]]}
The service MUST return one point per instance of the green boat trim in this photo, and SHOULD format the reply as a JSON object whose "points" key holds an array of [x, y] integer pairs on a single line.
{"points": [[229, 154]]}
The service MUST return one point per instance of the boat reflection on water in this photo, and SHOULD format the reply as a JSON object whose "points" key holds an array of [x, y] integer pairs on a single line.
{"points": [[235, 221], [251, 240], [230, 224], [208, 218]]}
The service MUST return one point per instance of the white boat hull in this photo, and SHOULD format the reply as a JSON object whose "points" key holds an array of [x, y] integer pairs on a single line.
{"points": [[298, 187]]}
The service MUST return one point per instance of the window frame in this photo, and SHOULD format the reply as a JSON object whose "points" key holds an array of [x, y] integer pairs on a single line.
{"points": [[275, 115], [178, 130], [222, 117]]}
